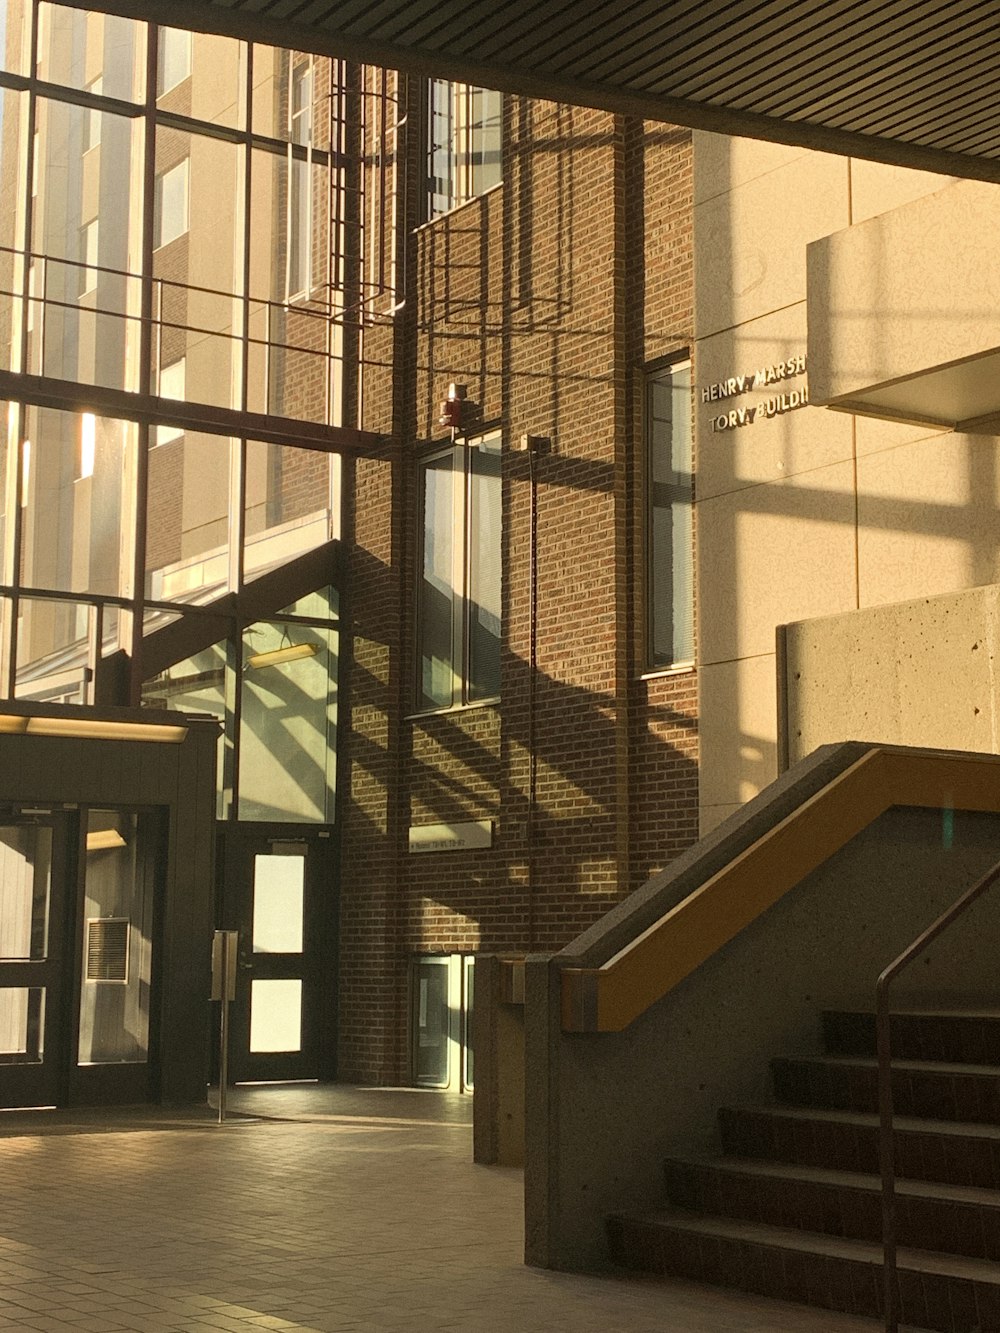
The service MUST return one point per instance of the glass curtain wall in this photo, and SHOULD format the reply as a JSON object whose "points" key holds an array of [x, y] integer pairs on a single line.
{"points": [[167, 231], [171, 230]]}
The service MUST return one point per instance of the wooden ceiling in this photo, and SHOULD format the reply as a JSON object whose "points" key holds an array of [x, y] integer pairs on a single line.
{"points": [[913, 83]]}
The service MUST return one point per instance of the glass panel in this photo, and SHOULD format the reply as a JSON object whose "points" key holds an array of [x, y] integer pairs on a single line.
{"points": [[275, 1016], [288, 724], [431, 1023], [25, 872], [9, 429], [75, 46], [72, 538], [442, 164], [173, 58], [218, 66], [53, 653], [671, 554], [84, 315], [198, 263], [288, 88], [278, 889], [187, 538], [468, 1007], [22, 1025], [13, 147], [287, 504], [485, 112], [14, 36], [437, 585], [196, 685], [118, 886], [320, 605], [484, 570]]}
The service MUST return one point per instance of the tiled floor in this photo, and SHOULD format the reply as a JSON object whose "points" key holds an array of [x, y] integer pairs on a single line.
{"points": [[332, 1209]]}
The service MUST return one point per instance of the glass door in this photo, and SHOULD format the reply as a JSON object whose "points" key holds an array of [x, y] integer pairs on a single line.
{"points": [[33, 882], [279, 893]]}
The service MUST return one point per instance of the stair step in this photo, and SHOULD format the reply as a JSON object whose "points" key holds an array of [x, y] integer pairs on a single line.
{"points": [[952, 1152], [938, 1089], [947, 1293], [955, 1219], [971, 1037]]}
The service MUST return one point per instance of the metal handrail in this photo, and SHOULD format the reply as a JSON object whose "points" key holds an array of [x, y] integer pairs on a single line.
{"points": [[886, 1150]]}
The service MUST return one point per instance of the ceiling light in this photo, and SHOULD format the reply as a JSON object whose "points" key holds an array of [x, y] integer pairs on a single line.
{"points": [[292, 652], [91, 729], [102, 840]]}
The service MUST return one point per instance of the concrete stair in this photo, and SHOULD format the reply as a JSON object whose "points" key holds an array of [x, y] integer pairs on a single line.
{"points": [[793, 1209]]}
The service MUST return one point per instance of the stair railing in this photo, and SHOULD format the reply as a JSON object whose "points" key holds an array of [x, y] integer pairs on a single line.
{"points": [[887, 1162]]}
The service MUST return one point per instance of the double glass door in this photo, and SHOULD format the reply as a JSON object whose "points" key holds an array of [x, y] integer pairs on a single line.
{"points": [[33, 883], [279, 893], [77, 956]]}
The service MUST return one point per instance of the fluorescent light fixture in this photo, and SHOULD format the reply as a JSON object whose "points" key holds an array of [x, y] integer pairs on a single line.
{"points": [[91, 729], [292, 652], [103, 839]]}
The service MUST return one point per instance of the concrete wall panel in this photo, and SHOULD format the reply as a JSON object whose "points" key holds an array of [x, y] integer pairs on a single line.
{"points": [[738, 711], [928, 518], [750, 243], [916, 673], [769, 549]]}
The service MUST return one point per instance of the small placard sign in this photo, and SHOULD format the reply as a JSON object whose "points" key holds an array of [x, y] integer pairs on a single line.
{"points": [[451, 837]]}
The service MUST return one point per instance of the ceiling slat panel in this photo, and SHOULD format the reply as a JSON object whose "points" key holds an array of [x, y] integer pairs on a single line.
{"points": [[881, 77], [568, 17], [688, 53], [489, 34], [905, 74]]}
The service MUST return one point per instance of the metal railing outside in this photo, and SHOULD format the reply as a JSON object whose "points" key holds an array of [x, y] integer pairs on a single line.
{"points": [[887, 1161]]}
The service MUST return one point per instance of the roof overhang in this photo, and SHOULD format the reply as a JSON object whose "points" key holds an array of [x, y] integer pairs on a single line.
{"points": [[912, 84]]}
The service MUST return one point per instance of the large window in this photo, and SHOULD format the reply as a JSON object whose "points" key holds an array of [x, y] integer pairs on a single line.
{"points": [[670, 535], [465, 143], [459, 608]]}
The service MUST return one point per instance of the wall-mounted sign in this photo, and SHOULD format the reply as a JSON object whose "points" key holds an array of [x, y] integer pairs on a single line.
{"points": [[772, 406], [451, 837]]}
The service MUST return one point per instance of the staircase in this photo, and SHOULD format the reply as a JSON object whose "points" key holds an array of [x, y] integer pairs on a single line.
{"points": [[793, 1209]]}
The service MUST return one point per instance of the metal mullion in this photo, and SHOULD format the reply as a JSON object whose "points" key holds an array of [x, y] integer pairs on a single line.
{"points": [[16, 487], [460, 574], [238, 456], [141, 494]]}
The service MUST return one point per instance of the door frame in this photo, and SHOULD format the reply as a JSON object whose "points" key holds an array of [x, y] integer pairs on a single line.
{"points": [[238, 843], [43, 1082]]}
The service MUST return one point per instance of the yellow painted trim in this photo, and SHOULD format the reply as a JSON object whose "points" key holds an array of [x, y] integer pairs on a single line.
{"points": [[608, 998]]}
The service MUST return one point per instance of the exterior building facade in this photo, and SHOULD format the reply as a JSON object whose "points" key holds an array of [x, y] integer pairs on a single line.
{"points": [[452, 664]]}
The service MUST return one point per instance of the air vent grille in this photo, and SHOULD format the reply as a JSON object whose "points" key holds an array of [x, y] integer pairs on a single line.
{"points": [[107, 948]]}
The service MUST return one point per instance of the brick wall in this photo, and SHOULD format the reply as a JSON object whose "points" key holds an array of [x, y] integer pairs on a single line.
{"points": [[547, 297]]}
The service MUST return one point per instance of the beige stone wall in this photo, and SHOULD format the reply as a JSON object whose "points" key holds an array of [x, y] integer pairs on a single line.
{"points": [[922, 672], [809, 513]]}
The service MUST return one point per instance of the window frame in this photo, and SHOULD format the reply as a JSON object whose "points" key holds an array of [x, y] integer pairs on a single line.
{"points": [[159, 239], [662, 583], [462, 452], [464, 142], [167, 49]]}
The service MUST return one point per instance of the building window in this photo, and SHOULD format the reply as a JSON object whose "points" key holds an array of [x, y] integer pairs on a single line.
{"points": [[441, 1021], [458, 632], [670, 530], [170, 205], [92, 117], [465, 147], [299, 226], [173, 384], [89, 233], [173, 58]]}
